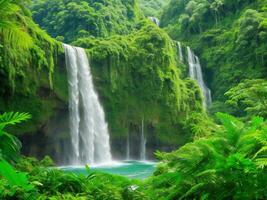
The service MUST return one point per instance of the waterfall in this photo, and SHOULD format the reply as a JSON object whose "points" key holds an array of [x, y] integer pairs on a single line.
{"points": [[154, 20], [143, 143], [180, 52], [195, 73], [88, 128], [128, 148]]}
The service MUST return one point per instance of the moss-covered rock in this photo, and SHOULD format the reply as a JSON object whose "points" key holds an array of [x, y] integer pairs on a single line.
{"points": [[31, 79], [138, 78]]}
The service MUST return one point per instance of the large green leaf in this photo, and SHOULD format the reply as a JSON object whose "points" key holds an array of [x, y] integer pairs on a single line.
{"points": [[14, 178], [12, 118]]}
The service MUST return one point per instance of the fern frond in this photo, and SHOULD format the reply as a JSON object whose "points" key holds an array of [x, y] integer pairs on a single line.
{"points": [[263, 149], [193, 190], [261, 162], [12, 118]]}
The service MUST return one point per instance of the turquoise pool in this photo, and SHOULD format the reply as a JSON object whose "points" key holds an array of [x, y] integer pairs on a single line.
{"points": [[130, 169]]}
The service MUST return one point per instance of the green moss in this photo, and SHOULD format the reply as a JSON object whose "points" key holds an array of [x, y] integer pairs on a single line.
{"points": [[28, 75]]}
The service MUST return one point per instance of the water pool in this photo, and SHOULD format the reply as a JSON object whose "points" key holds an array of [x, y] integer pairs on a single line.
{"points": [[130, 169]]}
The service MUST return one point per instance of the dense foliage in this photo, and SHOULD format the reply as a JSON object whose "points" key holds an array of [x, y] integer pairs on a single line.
{"points": [[230, 164], [249, 98], [229, 37], [28, 57], [68, 20], [139, 77], [152, 8]]}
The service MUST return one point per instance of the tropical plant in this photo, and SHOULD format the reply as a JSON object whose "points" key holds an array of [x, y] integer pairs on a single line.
{"points": [[17, 182], [11, 32], [231, 164], [9, 144]]}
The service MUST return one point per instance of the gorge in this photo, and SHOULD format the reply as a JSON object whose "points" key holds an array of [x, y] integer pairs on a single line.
{"points": [[133, 100]]}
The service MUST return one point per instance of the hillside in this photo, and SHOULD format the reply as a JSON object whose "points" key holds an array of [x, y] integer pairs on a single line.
{"points": [[229, 37]]}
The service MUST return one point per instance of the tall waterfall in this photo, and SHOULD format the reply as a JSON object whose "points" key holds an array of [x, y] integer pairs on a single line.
{"points": [[154, 20], [88, 128], [143, 142], [180, 51], [195, 73]]}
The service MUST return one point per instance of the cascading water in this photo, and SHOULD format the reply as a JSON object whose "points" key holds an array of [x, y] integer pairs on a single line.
{"points": [[154, 20], [195, 73], [143, 142], [180, 52], [88, 128], [128, 148]]}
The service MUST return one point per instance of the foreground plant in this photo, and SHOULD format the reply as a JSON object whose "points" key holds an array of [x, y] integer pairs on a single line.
{"points": [[13, 183], [9, 144], [231, 164]]}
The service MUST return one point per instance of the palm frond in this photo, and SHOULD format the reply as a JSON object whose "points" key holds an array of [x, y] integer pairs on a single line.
{"points": [[12, 118]]}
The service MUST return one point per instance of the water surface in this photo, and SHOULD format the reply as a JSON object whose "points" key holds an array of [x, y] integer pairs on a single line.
{"points": [[130, 169]]}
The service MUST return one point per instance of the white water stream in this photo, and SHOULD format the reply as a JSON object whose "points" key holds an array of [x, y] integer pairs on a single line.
{"points": [[88, 128]]}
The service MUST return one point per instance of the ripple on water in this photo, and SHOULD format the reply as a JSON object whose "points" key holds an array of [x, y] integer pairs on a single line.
{"points": [[130, 169]]}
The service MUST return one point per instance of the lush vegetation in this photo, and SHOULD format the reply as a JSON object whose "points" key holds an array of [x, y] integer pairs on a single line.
{"points": [[141, 81], [230, 163], [153, 8], [229, 37], [138, 75], [28, 57], [69, 20], [135, 68]]}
